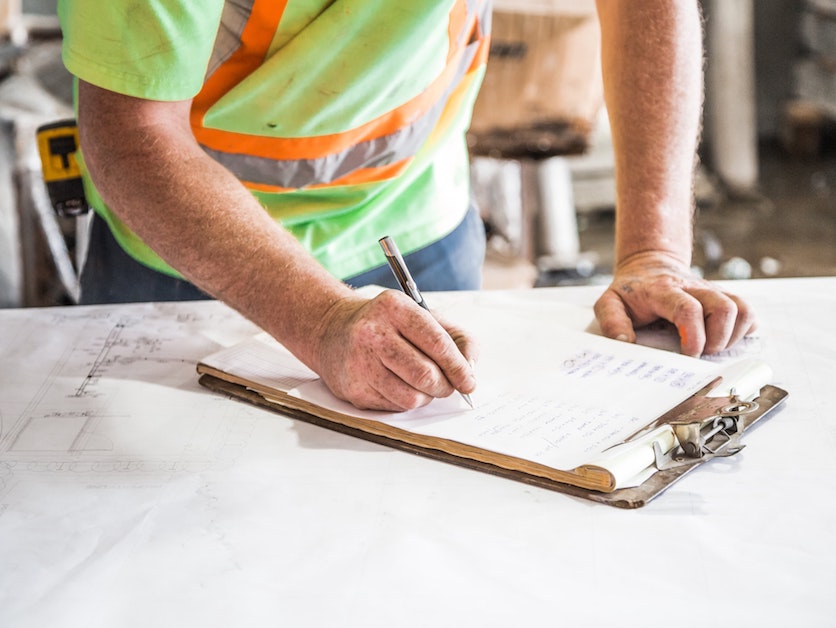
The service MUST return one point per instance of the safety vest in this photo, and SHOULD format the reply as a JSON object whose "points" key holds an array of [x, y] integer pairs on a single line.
{"points": [[339, 115], [378, 149]]}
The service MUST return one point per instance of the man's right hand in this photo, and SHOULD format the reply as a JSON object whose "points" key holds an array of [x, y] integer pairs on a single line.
{"points": [[388, 353]]}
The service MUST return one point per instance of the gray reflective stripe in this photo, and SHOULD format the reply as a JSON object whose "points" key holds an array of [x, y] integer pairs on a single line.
{"points": [[236, 14], [485, 16], [382, 151]]}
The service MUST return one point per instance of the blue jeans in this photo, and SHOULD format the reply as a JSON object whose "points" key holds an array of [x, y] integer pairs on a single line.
{"points": [[112, 276], [452, 263]]}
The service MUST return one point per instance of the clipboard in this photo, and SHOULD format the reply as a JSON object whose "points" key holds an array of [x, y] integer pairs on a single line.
{"points": [[707, 425]]}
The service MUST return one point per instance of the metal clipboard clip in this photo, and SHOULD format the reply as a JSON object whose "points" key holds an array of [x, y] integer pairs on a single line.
{"points": [[711, 422], [708, 424], [715, 436]]}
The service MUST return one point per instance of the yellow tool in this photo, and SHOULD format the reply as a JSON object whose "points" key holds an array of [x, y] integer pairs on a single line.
{"points": [[57, 145]]}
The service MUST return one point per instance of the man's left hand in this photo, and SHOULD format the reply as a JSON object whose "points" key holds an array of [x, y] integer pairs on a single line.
{"points": [[654, 285]]}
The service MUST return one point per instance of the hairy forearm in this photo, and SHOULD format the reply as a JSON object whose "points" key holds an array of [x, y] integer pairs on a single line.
{"points": [[203, 222], [652, 61]]}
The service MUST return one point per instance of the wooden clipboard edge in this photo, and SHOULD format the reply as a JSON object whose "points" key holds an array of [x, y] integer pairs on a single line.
{"points": [[627, 498]]}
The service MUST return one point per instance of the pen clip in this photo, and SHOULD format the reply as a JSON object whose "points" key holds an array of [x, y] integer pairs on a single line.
{"points": [[400, 270]]}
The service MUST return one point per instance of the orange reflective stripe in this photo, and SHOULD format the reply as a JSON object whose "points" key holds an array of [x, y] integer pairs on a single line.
{"points": [[320, 146], [256, 38], [389, 171], [456, 27], [369, 153], [481, 57]]}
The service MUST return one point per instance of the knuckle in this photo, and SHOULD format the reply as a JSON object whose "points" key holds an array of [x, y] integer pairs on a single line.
{"points": [[723, 314], [728, 309], [425, 378], [391, 301], [721, 320], [688, 309], [406, 398], [441, 345]]}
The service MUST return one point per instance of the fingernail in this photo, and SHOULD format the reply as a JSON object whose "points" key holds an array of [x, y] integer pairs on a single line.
{"points": [[622, 337]]}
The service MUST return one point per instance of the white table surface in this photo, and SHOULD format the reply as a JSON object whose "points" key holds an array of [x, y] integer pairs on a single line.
{"points": [[131, 496]]}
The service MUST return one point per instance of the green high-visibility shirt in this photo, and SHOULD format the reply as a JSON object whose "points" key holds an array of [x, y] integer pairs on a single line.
{"points": [[345, 118]]}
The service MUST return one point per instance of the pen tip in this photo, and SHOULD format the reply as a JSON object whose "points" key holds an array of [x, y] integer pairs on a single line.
{"points": [[467, 398]]}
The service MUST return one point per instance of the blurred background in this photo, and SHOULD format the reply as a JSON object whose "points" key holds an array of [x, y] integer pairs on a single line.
{"points": [[542, 160]]}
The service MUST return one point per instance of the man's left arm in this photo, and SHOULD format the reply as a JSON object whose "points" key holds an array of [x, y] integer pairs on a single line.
{"points": [[652, 66]]}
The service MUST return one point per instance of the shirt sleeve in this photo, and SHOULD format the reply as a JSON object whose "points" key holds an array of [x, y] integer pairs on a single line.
{"points": [[154, 49]]}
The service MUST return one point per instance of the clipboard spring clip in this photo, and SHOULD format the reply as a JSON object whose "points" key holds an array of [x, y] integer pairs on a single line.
{"points": [[716, 436]]}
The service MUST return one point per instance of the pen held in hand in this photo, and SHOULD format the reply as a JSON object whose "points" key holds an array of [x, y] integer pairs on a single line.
{"points": [[406, 282]]}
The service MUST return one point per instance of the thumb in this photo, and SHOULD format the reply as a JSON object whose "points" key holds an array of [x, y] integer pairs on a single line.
{"points": [[613, 318]]}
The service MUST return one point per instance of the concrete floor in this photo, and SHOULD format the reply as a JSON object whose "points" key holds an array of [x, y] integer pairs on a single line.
{"points": [[794, 223], [787, 230]]}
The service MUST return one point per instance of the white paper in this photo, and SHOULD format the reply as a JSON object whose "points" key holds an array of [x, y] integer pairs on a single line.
{"points": [[546, 393], [205, 511]]}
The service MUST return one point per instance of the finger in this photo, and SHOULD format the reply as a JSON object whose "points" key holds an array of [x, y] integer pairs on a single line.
{"points": [[379, 387], [409, 353], [745, 323], [613, 317], [387, 393], [720, 317], [377, 366], [372, 399], [428, 359], [449, 349], [394, 394], [686, 313], [416, 370]]}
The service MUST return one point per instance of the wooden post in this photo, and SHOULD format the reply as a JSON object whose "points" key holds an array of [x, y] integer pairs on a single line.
{"points": [[730, 85], [11, 14]]}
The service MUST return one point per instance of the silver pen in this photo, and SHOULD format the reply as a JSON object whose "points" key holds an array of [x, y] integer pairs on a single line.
{"points": [[406, 282]]}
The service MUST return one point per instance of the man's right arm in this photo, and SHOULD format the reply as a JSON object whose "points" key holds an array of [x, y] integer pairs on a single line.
{"points": [[386, 353]]}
